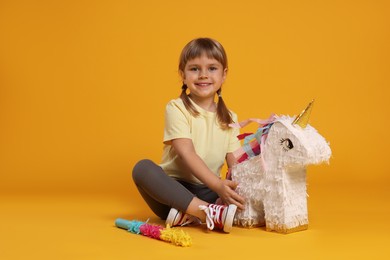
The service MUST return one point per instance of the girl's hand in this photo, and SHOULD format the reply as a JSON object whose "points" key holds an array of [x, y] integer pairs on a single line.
{"points": [[227, 193], [224, 188]]}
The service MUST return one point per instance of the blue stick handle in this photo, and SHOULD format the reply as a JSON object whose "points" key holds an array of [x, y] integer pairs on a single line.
{"points": [[122, 223]]}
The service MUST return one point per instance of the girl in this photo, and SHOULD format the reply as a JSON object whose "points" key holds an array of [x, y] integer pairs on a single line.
{"points": [[184, 188]]}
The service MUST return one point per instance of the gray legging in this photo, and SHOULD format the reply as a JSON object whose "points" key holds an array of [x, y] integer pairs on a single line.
{"points": [[162, 192]]}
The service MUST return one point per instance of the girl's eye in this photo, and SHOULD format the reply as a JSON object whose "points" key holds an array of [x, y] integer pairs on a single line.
{"points": [[213, 68], [286, 144], [193, 69]]}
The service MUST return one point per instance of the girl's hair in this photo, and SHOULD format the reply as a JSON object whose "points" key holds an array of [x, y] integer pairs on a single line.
{"points": [[213, 50]]}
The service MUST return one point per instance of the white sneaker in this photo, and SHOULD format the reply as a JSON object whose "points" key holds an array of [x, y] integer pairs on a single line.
{"points": [[219, 216], [178, 218]]}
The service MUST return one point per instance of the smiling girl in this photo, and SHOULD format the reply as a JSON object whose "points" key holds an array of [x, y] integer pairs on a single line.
{"points": [[184, 188]]}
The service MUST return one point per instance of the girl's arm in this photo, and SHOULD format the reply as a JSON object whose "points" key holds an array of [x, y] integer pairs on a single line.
{"points": [[230, 160], [224, 188]]}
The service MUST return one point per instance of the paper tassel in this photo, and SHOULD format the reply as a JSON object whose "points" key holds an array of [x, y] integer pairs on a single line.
{"points": [[172, 235]]}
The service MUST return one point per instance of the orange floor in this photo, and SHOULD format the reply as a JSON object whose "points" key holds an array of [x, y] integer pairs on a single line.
{"points": [[345, 223]]}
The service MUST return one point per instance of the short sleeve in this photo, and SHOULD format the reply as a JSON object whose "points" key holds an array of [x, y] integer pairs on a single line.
{"points": [[234, 143], [177, 122]]}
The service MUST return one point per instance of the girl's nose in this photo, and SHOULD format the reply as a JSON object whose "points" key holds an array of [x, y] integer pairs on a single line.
{"points": [[203, 75]]}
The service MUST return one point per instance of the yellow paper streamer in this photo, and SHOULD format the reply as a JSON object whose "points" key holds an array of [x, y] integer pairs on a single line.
{"points": [[176, 236]]}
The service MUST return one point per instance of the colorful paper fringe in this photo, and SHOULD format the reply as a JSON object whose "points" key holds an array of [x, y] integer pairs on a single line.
{"points": [[253, 143], [175, 236]]}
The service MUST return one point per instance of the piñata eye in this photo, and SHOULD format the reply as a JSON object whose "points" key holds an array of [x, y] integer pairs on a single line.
{"points": [[286, 144]]}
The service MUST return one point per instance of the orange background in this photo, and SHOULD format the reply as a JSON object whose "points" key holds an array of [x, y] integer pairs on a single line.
{"points": [[83, 87]]}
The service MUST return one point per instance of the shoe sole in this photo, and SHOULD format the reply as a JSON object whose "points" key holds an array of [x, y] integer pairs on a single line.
{"points": [[171, 217], [231, 211]]}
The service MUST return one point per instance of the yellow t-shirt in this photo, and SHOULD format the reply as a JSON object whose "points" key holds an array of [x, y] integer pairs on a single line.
{"points": [[211, 142]]}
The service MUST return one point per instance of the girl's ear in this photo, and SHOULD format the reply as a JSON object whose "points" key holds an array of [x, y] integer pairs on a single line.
{"points": [[224, 74], [182, 76]]}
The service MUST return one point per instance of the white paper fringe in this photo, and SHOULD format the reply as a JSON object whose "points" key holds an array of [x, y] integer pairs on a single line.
{"points": [[275, 191]]}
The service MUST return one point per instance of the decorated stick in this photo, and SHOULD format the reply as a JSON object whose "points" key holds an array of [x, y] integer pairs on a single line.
{"points": [[175, 236]]}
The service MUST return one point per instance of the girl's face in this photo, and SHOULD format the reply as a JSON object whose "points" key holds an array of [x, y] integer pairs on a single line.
{"points": [[203, 76]]}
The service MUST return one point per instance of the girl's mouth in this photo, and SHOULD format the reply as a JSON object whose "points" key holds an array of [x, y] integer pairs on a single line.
{"points": [[202, 84]]}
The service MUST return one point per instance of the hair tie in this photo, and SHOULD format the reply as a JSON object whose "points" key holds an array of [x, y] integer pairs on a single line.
{"points": [[219, 93]]}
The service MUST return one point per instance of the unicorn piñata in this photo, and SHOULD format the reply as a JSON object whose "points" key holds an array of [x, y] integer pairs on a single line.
{"points": [[272, 171]]}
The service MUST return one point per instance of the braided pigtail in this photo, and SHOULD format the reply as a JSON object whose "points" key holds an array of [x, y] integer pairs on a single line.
{"points": [[187, 102], [223, 114]]}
